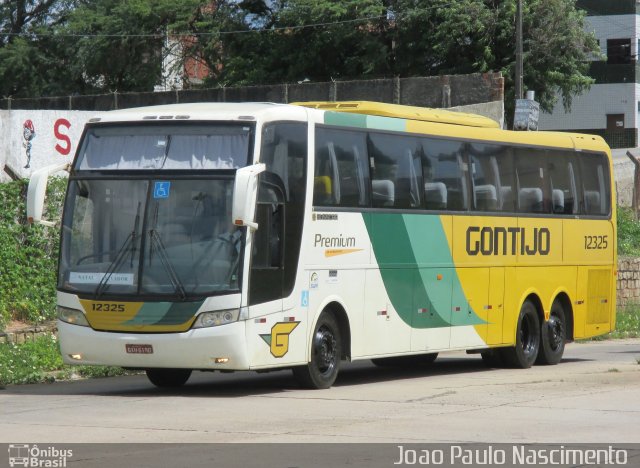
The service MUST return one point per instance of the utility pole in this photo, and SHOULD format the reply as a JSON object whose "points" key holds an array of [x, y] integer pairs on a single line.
{"points": [[519, 66]]}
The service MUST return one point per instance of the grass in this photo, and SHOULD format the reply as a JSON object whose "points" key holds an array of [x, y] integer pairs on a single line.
{"points": [[627, 322], [39, 361], [628, 233]]}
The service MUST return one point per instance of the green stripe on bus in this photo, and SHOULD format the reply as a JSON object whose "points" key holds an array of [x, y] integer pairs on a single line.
{"points": [[386, 123], [344, 119], [417, 269], [165, 313]]}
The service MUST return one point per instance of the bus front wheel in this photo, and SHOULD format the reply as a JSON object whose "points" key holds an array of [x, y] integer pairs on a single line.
{"points": [[326, 351], [525, 352], [168, 378], [553, 336]]}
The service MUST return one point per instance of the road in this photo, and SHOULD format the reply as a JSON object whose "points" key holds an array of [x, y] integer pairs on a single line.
{"points": [[592, 396]]}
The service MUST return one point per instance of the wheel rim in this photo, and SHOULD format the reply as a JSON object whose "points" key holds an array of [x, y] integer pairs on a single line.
{"points": [[555, 332], [528, 335], [325, 346]]}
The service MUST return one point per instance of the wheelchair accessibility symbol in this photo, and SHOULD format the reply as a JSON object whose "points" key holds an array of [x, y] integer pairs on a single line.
{"points": [[161, 189]]}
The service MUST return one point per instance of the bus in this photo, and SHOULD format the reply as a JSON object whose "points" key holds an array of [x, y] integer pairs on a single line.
{"points": [[257, 236]]}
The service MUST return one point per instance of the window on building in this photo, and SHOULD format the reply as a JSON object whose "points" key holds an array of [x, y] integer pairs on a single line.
{"points": [[615, 122], [618, 51]]}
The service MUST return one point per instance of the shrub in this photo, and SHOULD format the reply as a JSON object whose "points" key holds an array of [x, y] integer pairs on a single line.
{"points": [[28, 255], [628, 233]]}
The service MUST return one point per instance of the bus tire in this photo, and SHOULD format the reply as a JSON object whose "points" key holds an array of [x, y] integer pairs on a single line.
{"points": [[168, 378], [553, 335], [406, 361], [326, 351], [525, 352]]}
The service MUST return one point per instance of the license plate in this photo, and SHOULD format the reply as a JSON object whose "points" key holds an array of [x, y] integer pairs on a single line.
{"points": [[139, 348]]}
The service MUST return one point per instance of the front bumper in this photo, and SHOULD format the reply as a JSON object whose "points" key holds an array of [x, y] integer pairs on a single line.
{"points": [[193, 349]]}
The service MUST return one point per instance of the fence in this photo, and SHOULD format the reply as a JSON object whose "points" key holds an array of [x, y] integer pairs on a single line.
{"points": [[432, 91]]}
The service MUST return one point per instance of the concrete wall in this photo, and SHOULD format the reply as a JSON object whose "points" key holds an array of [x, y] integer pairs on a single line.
{"points": [[623, 171], [589, 110], [628, 290], [54, 141]]}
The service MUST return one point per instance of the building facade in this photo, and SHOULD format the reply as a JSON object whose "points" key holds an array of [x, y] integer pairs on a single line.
{"points": [[611, 108]]}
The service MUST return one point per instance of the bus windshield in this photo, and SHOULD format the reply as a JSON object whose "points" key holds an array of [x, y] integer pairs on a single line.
{"points": [[151, 237], [165, 146]]}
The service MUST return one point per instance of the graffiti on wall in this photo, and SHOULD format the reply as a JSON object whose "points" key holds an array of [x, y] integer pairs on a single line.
{"points": [[28, 133], [33, 139]]}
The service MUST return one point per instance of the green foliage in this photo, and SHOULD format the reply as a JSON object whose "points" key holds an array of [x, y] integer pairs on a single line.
{"points": [[627, 322], [39, 361], [28, 255], [122, 45], [439, 36], [288, 50], [32, 65], [29, 362], [628, 233], [108, 45]]}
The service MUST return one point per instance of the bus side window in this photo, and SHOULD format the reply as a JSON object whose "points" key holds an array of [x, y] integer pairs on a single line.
{"points": [[284, 152], [506, 180], [444, 175], [280, 211], [531, 173], [488, 193], [267, 248], [395, 172], [341, 176], [563, 183], [595, 183]]}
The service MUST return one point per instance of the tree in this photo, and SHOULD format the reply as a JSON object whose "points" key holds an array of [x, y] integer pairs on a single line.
{"points": [[28, 61], [85, 46], [119, 44], [438, 36], [294, 40]]}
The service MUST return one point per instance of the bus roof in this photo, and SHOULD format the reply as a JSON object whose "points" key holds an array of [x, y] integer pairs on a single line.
{"points": [[453, 124], [387, 116], [424, 114], [243, 111]]}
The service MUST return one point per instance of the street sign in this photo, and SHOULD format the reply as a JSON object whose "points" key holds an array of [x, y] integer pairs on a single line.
{"points": [[526, 115]]}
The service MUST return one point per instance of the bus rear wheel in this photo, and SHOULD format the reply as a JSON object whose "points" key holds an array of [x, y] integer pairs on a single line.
{"points": [[168, 378], [553, 336], [326, 352], [525, 352]]}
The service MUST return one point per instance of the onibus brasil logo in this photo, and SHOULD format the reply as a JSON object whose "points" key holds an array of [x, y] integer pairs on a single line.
{"points": [[34, 456]]}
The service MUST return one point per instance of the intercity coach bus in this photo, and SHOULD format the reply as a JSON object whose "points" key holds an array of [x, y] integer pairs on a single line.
{"points": [[266, 236]]}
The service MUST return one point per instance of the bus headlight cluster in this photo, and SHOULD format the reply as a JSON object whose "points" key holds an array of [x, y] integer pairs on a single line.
{"points": [[72, 316], [214, 319]]}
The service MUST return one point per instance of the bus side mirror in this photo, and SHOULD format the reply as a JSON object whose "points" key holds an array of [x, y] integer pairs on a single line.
{"points": [[37, 192], [245, 192]]}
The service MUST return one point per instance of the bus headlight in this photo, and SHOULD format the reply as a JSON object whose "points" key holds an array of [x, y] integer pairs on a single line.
{"points": [[214, 319], [72, 316]]}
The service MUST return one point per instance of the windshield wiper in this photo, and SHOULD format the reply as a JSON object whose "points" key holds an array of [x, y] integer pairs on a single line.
{"points": [[164, 259], [166, 263], [129, 241]]}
